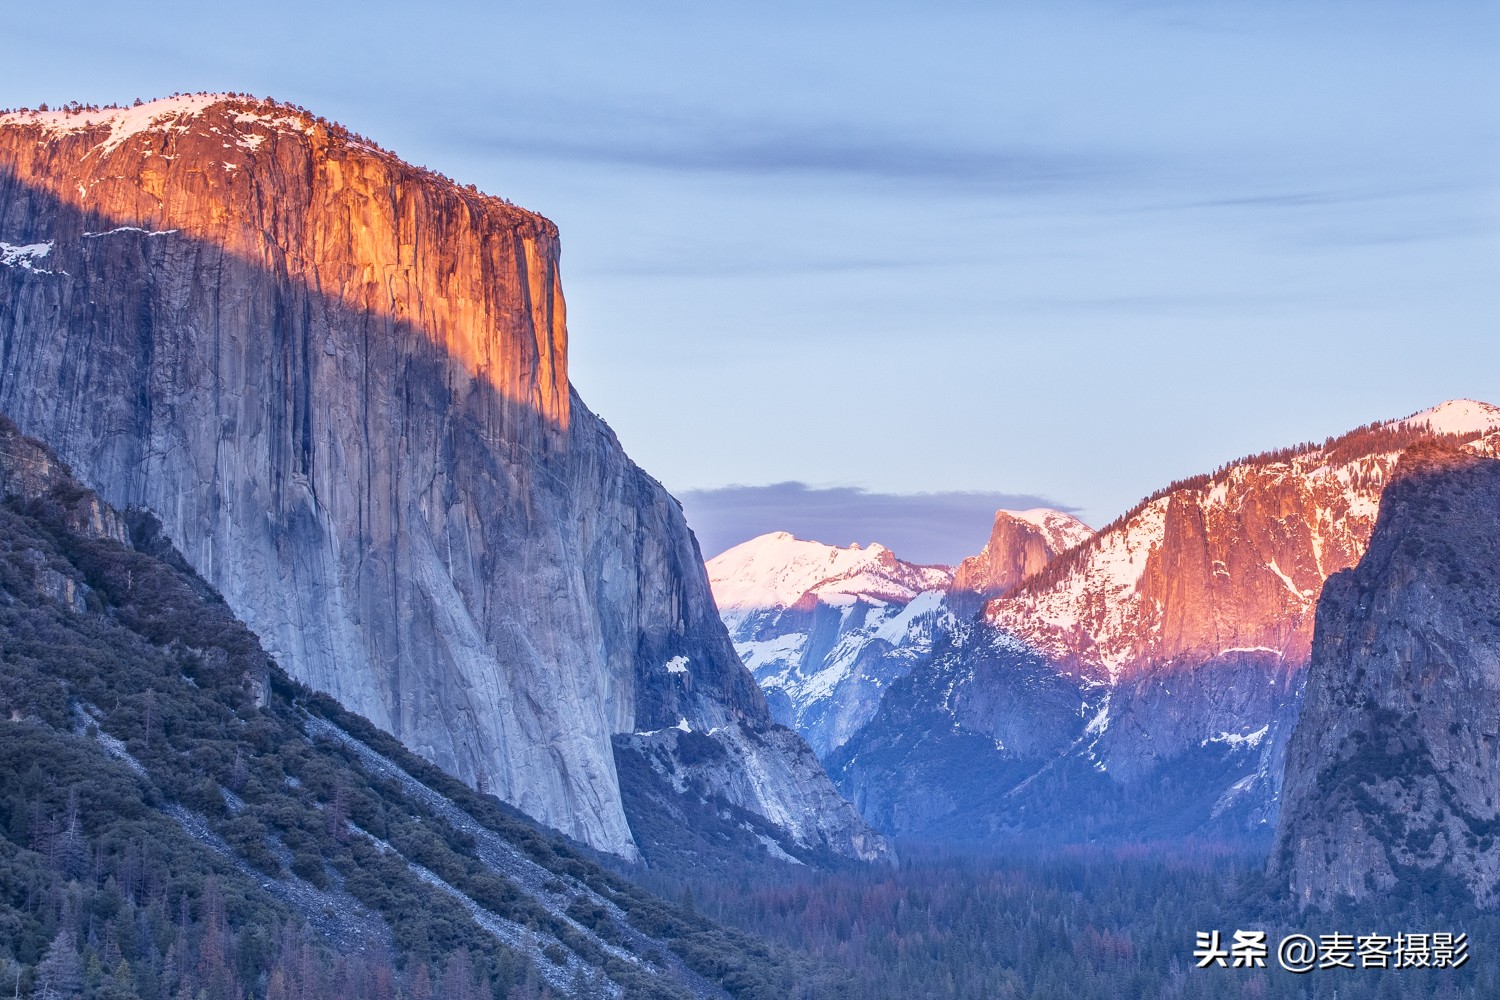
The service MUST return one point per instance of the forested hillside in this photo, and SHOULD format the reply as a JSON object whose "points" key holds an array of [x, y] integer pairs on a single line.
{"points": [[179, 819]]}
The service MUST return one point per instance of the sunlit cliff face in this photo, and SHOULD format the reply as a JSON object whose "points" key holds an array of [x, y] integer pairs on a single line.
{"points": [[300, 196], [1230, 563]]}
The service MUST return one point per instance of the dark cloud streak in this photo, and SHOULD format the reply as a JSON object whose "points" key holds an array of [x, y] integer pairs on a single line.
{"points": [[686, 141]]}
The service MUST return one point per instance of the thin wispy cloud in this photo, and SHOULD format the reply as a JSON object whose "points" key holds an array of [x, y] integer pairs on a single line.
{"points": [[718, 265]]}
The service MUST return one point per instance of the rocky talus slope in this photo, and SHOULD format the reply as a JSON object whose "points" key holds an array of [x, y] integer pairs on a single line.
{"points": [[340, 381], [1392, 776]]}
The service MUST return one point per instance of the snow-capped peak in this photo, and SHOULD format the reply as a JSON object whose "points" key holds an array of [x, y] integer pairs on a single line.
{"points": [[167, 114], [778, 570], [1458, 416]]}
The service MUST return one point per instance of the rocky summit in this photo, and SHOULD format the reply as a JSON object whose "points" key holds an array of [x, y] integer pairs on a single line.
{"points": [[340, 381], [1021, 544]]}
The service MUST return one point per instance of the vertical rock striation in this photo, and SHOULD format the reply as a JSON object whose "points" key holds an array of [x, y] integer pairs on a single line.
{"points": [[1392, 773], [341, 383]]}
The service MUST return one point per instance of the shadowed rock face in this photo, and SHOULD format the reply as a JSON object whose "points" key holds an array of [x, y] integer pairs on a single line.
{"points": [[340, 382], [1392, 774]]}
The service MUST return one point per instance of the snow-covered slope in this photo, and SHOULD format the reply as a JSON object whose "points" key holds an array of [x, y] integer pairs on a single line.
{"points": [[825, 629], [780, 571], [1232, 561], [167, 116], [1458, 416], [1184, 630]]}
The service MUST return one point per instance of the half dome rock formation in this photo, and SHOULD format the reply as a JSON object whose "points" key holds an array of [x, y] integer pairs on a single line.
{"points": [[1392, 775], [340, 381], [1021, 543], [825, 629]]}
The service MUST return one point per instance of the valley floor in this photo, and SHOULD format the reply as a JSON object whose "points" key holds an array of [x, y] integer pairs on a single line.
{"points": [[1076, 923]]}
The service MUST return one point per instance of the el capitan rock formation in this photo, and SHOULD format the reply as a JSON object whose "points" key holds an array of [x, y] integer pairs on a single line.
{"points": [[341, 383]]}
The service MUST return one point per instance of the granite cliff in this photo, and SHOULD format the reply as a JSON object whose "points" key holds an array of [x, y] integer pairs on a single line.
{"points": [[1021, 544], [152, 755], [1145, 682], [340, 381], [1391, 778]]}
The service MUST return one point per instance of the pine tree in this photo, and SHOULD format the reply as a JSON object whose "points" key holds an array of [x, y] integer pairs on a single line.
{"points": [[421, 984], [118, 985], [59, 975]]}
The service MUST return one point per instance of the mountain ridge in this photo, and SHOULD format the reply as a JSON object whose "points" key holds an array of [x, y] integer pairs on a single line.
{"points": [[1169, 650]]}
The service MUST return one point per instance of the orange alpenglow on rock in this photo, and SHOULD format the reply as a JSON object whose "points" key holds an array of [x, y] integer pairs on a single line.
{"points": [[290, 192]]}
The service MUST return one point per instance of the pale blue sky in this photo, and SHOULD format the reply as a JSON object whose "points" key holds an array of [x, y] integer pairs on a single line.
{"points": [[1069, 249]]}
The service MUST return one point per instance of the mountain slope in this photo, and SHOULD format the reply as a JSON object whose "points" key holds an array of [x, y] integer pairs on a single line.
{"points": [[172, 805], [341, 383], [1391, 778], [1183, 631], [1232, 560], [825, 629], [1021, 544]]}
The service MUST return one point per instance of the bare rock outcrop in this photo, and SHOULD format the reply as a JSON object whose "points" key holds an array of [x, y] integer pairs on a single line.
{"points": [[1021, 544]]}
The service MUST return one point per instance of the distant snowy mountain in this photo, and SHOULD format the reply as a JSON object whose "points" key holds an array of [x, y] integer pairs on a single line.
{"points": [[825, 629], [1180, 632]]}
